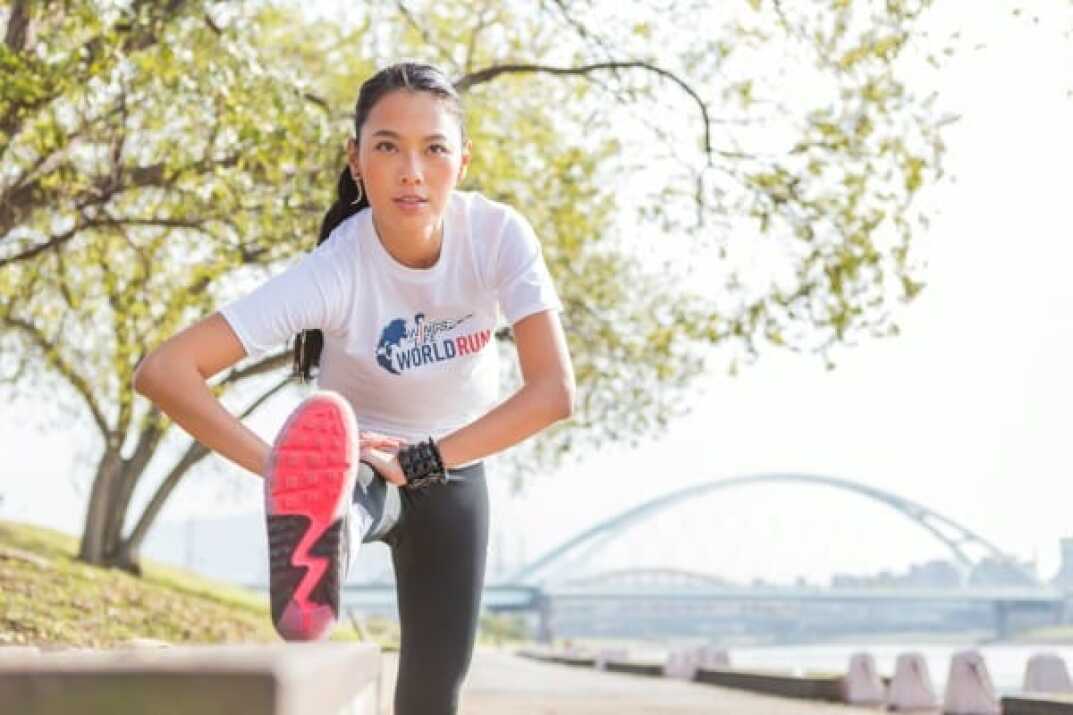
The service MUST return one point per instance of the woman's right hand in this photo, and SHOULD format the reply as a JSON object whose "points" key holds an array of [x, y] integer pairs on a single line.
{"points": [[386, 464], [375, 440], [381, 452]]}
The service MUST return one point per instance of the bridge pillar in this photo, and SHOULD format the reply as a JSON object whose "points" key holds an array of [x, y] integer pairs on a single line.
{"points": [[1034, 614], [543, 608], [1002, 619], [1067, 607]]}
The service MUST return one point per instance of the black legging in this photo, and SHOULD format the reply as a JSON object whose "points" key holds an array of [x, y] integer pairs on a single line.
{"points": [[438, 537]]}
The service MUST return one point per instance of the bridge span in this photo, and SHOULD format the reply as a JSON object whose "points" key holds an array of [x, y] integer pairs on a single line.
{"points": [[691, 610], [555, 585]]}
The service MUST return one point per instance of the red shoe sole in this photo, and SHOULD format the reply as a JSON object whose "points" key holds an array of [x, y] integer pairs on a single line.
{"points": [[308, 486]]}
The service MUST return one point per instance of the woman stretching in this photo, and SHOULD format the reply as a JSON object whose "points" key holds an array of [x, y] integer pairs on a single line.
{"points": [[397, 308]]}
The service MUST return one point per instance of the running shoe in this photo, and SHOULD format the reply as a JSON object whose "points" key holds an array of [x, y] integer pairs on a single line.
{"points": [[309, 483]]}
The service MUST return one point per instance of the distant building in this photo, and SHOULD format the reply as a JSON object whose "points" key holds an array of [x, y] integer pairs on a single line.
{"points": [[931, 574], [1064, 577], [995, 572], [936, 573]]}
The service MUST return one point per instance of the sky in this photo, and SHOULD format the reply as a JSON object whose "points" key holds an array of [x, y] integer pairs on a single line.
{"points": [[966, 412]]}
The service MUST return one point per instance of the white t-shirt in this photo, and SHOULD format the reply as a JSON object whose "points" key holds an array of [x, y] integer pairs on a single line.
{"points": [[411, 349]]}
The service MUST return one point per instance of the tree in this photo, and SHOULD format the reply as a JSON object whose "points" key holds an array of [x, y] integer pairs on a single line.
{"points": [[704, 145], [192, 142], [162, 160]]}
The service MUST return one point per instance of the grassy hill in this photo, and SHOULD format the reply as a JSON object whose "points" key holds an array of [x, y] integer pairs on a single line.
{"points": [[49, 597]]}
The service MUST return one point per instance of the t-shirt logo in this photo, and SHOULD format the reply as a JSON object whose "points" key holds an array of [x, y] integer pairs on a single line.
{"points": [[404, 346]]}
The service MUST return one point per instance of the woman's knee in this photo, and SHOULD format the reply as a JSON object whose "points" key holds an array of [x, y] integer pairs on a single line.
{"points": [[380, 499]]}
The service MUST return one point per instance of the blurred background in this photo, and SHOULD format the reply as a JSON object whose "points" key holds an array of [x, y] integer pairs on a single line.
{"points": [[813, 257]]}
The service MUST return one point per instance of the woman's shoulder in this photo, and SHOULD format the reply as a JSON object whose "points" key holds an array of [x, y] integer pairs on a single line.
{"points": [[490, 223], [483, 210], [345, 231], [343, 238]]}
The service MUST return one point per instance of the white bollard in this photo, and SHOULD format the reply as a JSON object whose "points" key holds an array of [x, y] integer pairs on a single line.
{"points": [[969, 690], [684, 662], [1047, 673], [679, 664], [863, 685], [714, 657], [911, 688], [606, 654]]}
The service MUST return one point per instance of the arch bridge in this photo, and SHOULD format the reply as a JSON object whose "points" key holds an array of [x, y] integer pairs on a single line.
{"points": [[956, 538]]}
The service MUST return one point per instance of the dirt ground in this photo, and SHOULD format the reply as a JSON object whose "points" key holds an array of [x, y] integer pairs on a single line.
{"points": [[499, 682]]}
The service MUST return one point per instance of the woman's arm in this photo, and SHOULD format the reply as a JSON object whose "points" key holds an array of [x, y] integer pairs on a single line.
{"points": [[312, 293], [174, 378], [546, 396]]}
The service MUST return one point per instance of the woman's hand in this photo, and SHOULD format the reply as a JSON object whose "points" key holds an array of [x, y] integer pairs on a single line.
{"points": [[386, 465], [380, 452], [375, 440]]}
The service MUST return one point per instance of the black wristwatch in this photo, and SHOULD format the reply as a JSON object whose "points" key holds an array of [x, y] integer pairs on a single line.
{"points": [[422, 465]]}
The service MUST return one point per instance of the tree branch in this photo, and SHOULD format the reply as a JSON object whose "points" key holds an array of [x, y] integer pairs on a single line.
{"points": [[192, 456], [56, 241], [262, 366], [18, 25], [490, 73], [134, 468], [67, 371], [471, 44], [28, 197], [134, 37], [426, 36]]}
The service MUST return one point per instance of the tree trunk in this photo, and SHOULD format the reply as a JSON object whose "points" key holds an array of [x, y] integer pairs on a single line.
{"points": [[128, 553], [95, 547], [113, 527], [129, 550], [133, 469]]}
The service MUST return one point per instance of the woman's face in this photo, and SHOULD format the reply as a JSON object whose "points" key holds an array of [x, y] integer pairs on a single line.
{"points": [[410, 146]]}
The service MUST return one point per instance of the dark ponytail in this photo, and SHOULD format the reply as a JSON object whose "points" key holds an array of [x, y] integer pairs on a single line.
{"points": [[415, 77]]}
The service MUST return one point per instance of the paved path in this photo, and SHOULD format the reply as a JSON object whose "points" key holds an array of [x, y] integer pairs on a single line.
{"points": [[499, 682]]}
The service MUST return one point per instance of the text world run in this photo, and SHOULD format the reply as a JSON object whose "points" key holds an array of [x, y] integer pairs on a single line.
{"points": [[435, 351]]}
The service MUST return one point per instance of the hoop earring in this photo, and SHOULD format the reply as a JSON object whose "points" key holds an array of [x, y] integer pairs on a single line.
{"points": [[360, 193]]}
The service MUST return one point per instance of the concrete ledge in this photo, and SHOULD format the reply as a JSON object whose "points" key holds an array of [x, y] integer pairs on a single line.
{"points": [[830, 688], [1037, 704], [17, 653], [581, 661], [634, 667], [606, 655], [584, 661], [277, 679]]}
